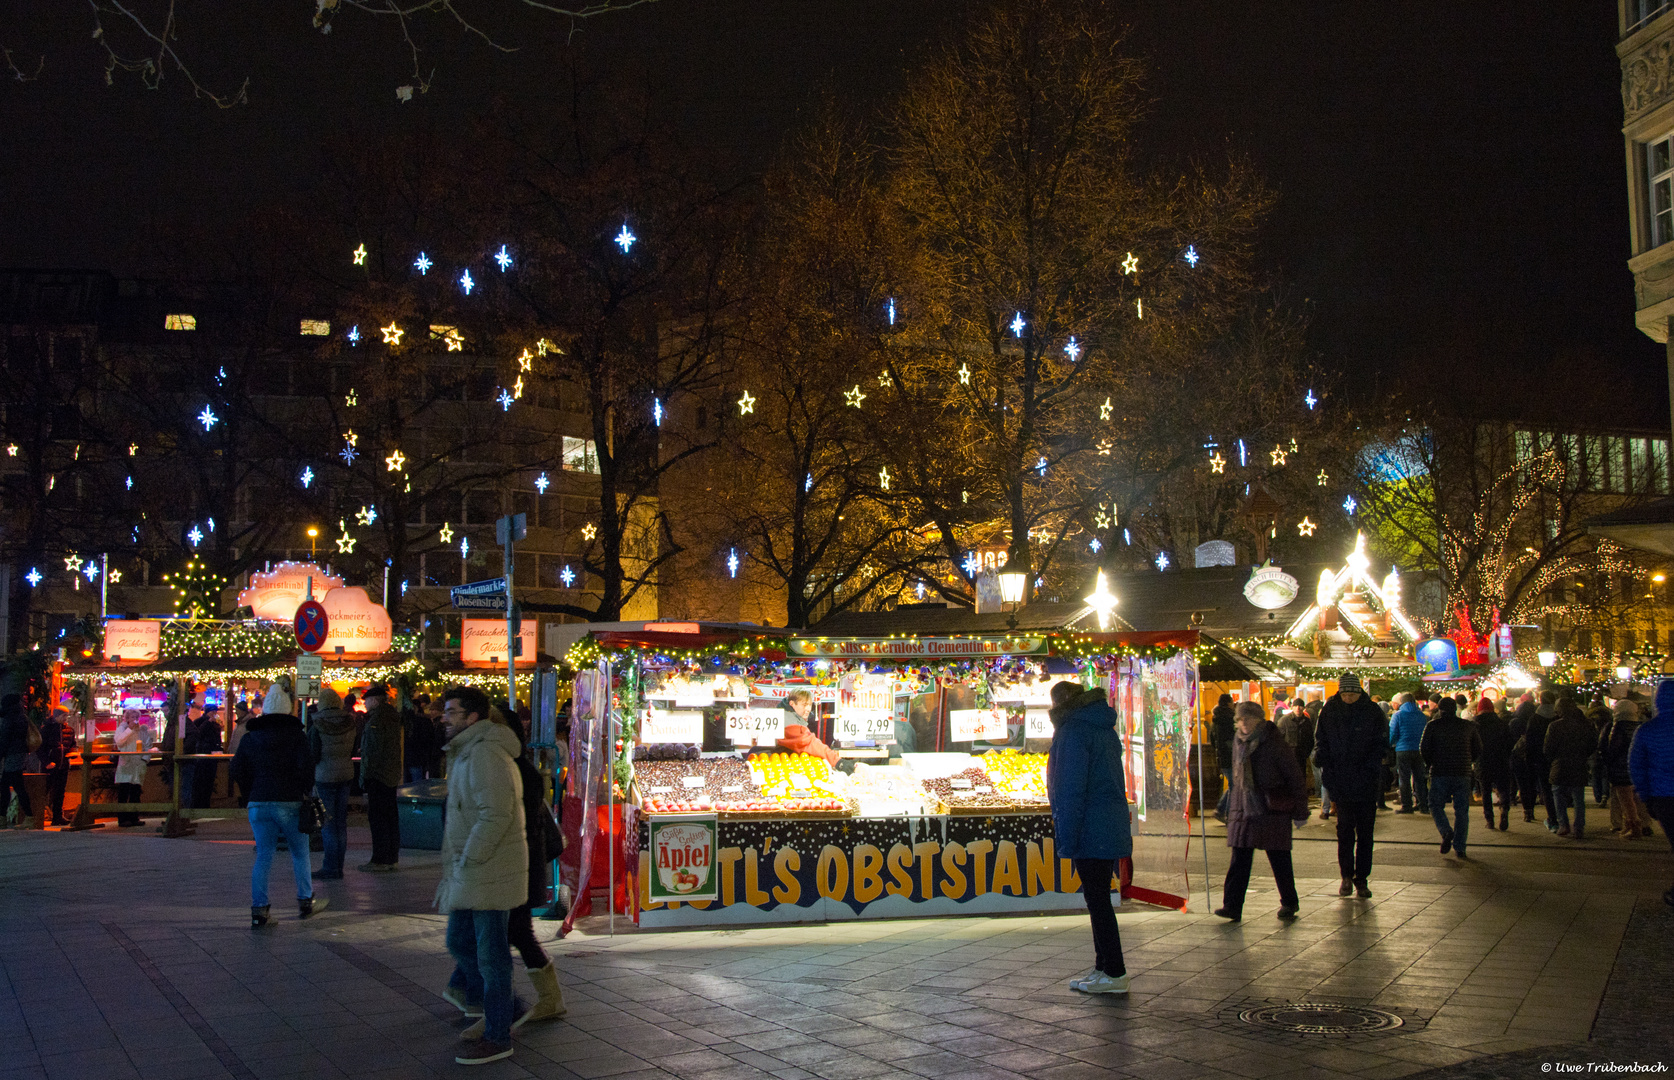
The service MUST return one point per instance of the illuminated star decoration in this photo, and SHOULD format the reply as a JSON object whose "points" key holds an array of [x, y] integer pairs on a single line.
{"points": [[543, 345], [1095, 545], [964, 374], [133, 450], [746, 404], [890, 307], [360, 255], [1350, 505], [208, 418], [306, 476], [883, 477], [732, 562], [505, 400], [1017, 324], [354, 334], [351, 438], [466, 283], [345, 544], [1191, 256], [1105, 410], [524, 361], [454, 339], [422, 264], [396, 461], [1278, 455], [1104, 447], [1130, 265], [464, 547], [392, 334], [11, 450], [503, 257], [542, 483], [72, 562], [589, 531], [1162, 560], [1217, 463], [657, 411], [1072, 349], [130, 483], [517, 387], [567, 576], [884, 379], [195, 536], [445, 533], [1102, 601], [114, 576], [1311, 399], [33, 577], [854, 397], [351, 399], [366, 515], [1306, 527], [625, 239], [1324, 478]]}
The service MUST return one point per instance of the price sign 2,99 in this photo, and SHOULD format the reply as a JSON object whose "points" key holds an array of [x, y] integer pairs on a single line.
{"points": [[873, 725], [755, 726]]}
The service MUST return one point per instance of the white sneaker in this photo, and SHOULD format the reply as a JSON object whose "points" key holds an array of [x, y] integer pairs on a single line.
{"points": [[1100, 983], [1075, 983]]}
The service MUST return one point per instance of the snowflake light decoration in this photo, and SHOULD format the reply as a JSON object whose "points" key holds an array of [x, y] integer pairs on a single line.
{"points": [[466, 283], [1017, 324], [348, 454], [354, 334], [890, 307], [1162, 560], [1191, 256], [130, 483], [1350, 505], [33, 577], [422, 264], [464, 547], [732, 562], [625, 239], [1311, 399], [1072, 349], [208, 418], [971, 564], [542, 483], [1040, 465], [567, 576], [306, 476], [503, 258], [1095, 546], [505, 400], [657, 411], [195, 536], [808, 482]]}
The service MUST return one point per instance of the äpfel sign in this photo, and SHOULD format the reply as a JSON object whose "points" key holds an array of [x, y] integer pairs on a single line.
{"points": [[482, 642], [274, 594], [133, 641], [360, 626]]}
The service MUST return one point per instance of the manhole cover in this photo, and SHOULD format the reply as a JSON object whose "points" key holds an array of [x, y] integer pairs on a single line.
{"points": [[1321, 1019]]}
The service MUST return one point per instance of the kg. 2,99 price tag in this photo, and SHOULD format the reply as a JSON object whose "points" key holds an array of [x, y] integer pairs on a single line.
{"points": [[870, 725], [746, 727]]}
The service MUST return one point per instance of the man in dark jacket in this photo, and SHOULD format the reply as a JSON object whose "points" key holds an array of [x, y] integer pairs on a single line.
{"points": [[273, 764], [1348, 743], [1222, 729], [206, 739], [1451, 745], [1540, 767], [1496, 765], [55, 762], [1599, 715], [1090, 818], [1521, 775], [1570, 743], [380, 775]]}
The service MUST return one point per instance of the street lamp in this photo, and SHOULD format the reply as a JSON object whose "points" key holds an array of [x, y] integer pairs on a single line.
{"points": [[1548, 658], [1624, 673], [1012, 584], [313, 540]]}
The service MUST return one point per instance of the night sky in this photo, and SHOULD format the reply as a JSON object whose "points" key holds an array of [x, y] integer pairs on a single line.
{"points": [[1452, 207]]}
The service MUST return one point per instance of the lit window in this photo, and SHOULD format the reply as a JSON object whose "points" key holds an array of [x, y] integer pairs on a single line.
{"points": [[180, 322], [1659, 173], [579, 455], [316, 328]]}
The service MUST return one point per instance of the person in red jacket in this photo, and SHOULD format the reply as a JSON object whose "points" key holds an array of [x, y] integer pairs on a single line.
{"points": [[798, 737]]}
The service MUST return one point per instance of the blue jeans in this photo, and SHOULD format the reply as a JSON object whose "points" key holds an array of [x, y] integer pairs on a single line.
{"points": [[268, 820], [483, 967], [1409, 767], [334, 830], [1455, 790], [1567, 797]]}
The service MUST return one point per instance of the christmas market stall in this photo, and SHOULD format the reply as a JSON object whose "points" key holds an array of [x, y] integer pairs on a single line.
{"points": [[757, 777]]}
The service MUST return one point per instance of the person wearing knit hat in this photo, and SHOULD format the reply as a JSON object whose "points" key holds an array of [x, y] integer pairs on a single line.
{"points": [[1349, 746], [1614, 742], [1651, 765]]}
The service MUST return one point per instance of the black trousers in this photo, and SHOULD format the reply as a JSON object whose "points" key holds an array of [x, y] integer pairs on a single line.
{"points": [[520, 932], [1354, 837], [57, 780], [1238, 879], [385, 822], [1490, 784], [203, 783], [1107, 940], [126, 793]]}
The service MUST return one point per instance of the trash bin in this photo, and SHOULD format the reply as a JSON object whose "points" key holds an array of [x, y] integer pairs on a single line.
{"points": [[423, 810]]}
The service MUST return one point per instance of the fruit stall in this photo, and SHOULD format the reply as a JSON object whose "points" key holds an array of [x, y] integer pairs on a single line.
{"points": [[736, 777]]}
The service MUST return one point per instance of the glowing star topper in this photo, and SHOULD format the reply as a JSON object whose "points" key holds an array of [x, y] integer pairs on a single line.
{"points": [[392, 334], [33, 577], [445, 533], [1217, 463], [503, 258], [208, 418], [1350, 505], [396, 461], [1278, 455], [1191, 256], [360, 255], [466, 283], [1162, 560], [732, 562], [1130, 265], [195, 536], [567, 576], [1017, 324], [1102, 601], [72, 562], [354, 334], [1105, 410], [1311, 399], [505, 399], [366, 515], [1306, 527], [589, 531], [625, 239], [964, 374], [422, 264], [854, 397], [306, 476], [542, 483], [746, 404], [1072, 349]]}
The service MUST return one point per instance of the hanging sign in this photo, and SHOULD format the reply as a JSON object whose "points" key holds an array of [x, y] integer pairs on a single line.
{"points": [[275, 593], [1022, 645], [747, 727], [1270, 588], [870, 725], [482, 642], [132, 641], [360, 626], [682, 854], [671, 726], [973, 725]]}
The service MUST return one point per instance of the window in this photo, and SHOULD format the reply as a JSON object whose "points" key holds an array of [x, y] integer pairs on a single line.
{"points": [[1659, 174], [316, 328], [579, 455], [180, 322], [1640, 12]]}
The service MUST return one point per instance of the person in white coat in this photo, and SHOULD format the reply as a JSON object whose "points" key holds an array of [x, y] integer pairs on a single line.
{"points": [[485, 868], [130, 766]]}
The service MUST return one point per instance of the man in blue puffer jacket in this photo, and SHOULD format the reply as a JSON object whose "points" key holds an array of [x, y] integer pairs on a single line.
{"points": [[1090, 818], [1406, 731], [1651, 764]]}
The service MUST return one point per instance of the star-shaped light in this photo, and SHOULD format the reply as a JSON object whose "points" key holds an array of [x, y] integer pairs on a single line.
{"points": [[72, 562], [1017, 324], [589, 531], [11, 450], [1105, 410], [33, 577], [1130, 265], [746, 404], [732, 562], [1102, 601], [422, 264], [567, 576], [1293, 447], [195, 536], [1311, 399], [133, 450], [884, 379], [445, 533], [396, 461], [503, 257], [354, 334], [542, 346], [1072, 349], [883, 477], [1191, 256], [454, 339], [1162, 560], [1324, 478], [306, 476], [524, 361], [505, 399], [1306, 527], [392, 334], [1095, 545], [345, 544], [466, 283], [1104, 447], [351, 399], [517, 388], [360, 255], [1217, 463], [1278, 455], [542, 483], [351, 438], [1350, 505], [964, 374], [854, 397], [464, 547], [625, 239], [208, 418], [114, 576], [366, 515]]}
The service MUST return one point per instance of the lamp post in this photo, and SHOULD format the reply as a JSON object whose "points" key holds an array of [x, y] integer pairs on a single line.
{"points": [[313, 541], [1012, 584]]}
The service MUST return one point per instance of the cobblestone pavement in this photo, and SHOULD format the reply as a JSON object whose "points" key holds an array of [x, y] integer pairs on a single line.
{"points": [[127, 955]]}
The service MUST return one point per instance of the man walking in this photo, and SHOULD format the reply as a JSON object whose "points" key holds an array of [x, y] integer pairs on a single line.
{"points": [[331, 738], [1496, 763], [380, 775], [1450, 745], [1406, 728], [485, 872], [56, 740], [1651, 765], [1570, 742], [1540, 766], [1348, 744]]}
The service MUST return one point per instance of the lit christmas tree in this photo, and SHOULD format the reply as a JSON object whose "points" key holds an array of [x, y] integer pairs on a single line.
{"points": [[197, 590]]}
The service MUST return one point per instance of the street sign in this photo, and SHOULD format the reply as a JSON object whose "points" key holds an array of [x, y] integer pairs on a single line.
{"points": [[511, 529], [479, 603], [486, 587], [487, 595], [310, 667], [312, 626]]}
